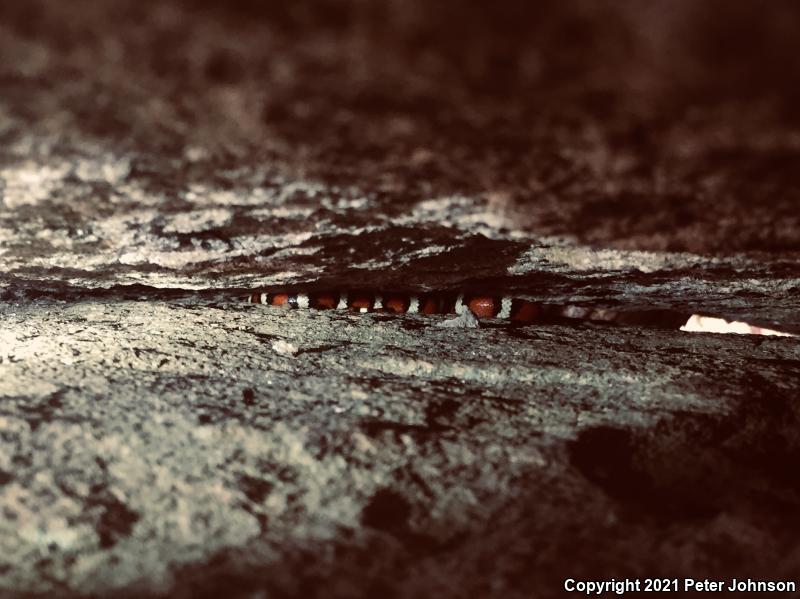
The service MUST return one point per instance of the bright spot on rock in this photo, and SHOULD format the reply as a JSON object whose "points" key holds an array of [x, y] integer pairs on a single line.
{"points": [[710, 324], [465, 320], [284, 347]]}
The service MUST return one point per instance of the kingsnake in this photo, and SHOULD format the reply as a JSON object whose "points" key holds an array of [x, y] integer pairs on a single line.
{"points": [[482, 306]]}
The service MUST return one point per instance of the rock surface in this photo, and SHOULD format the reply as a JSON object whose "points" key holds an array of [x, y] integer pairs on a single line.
{"points": [[160, 437]]}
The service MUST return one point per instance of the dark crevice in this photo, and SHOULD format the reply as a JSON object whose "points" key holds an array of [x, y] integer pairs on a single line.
{"points": [[255, 489], [600, 311], [323, 348], [374, 428], [116, 520]]}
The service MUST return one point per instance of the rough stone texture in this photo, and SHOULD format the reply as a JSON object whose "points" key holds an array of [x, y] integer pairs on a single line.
{"points": [[158, 437]]}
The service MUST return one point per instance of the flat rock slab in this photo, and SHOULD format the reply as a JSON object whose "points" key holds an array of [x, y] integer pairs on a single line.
{"points": [[159, 160], [177, 448], [239, 157]]}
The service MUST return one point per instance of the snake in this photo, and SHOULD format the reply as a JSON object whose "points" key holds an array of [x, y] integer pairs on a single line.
{"points": [[483, 307]]}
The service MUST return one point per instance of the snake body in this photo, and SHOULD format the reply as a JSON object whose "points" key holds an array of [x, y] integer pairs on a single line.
{"points": [[482, 306]]}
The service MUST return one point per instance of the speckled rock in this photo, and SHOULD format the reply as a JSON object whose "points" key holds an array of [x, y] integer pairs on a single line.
{"points": [[158, 437], [141, 440]]}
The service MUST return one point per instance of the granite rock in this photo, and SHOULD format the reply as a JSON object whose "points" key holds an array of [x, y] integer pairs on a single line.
{"points": [[160, 437]]}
